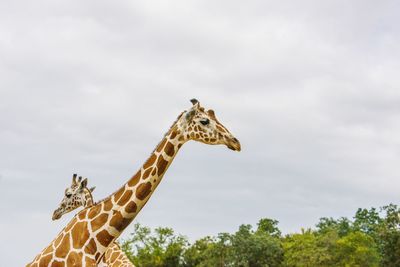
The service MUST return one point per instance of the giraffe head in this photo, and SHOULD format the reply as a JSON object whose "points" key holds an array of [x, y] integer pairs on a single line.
{"points": [[202, 125], [76, 195]]}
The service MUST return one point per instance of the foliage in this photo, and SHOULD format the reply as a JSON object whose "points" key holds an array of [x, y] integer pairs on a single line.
{"points": [[388, 236], [308, 249], [370, 239], [260, 248], [151, 249], [356, 249]]}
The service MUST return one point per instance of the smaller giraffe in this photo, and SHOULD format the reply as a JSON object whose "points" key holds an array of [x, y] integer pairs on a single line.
{"points": [[77, 195]]}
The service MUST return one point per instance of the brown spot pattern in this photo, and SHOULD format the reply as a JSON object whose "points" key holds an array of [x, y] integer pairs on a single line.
{"points": [[161, 145], [63, 248], [93, 211], [135, 179], [82, 214], [70, 225], [119, 222], [74, 259], [161, 165], [90, 262], [97, 256], [58, 240], [99, 221], [48, 249], [91, 247], [119, 194], [143, 190], [173, 135], [45, 260], [169, 149], [125, 198], [146, 173], [80, 234], [107, 205], [131, 207], [114, 256], [150, 161], [57, 264], [104, 238]]}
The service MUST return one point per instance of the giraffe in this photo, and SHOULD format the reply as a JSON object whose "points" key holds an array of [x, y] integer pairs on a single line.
{"points": [[77, 195], [86, 237]]}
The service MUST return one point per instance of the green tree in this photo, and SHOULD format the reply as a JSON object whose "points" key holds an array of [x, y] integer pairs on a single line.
{"points": [[199, 253], [161, 248], [389, 236], [342, 226], [371, 239], [269, 227], [209, 251], [245, 248], [367, 221], [309, 249], [357, 249], [257, 249]]}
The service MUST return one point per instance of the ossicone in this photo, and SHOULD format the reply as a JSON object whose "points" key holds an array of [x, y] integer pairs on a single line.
{"points": [[194, 101]]}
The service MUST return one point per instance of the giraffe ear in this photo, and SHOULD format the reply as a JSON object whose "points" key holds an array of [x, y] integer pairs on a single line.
{"points": [[92, 189], [211, 113]]}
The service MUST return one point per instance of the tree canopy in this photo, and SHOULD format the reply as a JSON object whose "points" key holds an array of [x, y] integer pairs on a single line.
{"points": [[370, 239]]}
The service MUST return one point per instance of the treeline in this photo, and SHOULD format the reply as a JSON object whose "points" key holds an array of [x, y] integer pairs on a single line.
{"points": [[370, 238]]}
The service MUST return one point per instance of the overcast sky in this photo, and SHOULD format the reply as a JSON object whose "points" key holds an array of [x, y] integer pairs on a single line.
{"points": [[310, 89]]}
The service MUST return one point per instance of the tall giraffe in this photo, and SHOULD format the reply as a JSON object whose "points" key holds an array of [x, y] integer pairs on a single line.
{"points": [[86, 237], [79, 195]]}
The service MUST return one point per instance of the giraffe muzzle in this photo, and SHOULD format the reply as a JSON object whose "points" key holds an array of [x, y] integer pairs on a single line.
{"points": [[234, 144], [56, 215]]}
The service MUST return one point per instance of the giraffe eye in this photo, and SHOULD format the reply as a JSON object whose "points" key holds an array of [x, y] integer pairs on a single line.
{"points": [[205, 121], [68, 195]]}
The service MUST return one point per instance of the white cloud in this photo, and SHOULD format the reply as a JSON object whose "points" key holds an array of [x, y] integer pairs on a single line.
{"points": [[309, 88]]}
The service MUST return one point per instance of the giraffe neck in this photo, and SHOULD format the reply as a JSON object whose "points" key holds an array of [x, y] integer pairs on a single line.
{"points": [[131, 197], [111, 216], [88, 199], [114, 256]]}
